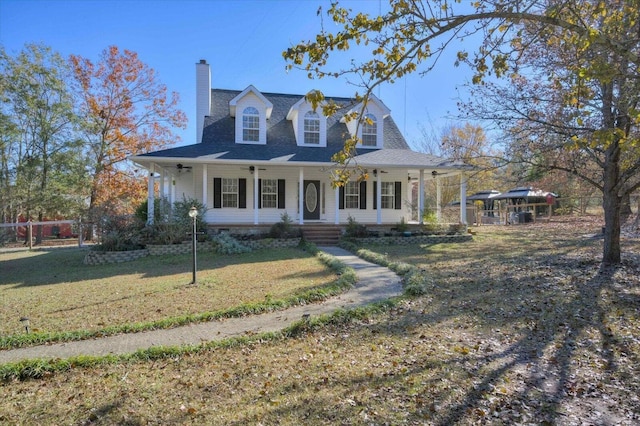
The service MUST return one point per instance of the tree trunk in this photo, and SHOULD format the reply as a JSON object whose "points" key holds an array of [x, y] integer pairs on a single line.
{"points": [[611, 249], [88, 232], [611, 203]]}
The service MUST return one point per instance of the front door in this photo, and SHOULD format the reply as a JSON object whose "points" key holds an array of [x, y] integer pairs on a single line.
{"points": [[311, 200]]}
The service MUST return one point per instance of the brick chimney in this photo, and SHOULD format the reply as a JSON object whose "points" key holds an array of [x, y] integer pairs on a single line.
{"points": [[203, 96]]}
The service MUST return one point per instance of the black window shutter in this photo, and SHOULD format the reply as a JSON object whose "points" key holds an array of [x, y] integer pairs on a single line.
{"points": [[217, 193], [341, 198], [363, 195], [242, 193], [375, 195], [281, 194], [259, 193], [398, 196]]}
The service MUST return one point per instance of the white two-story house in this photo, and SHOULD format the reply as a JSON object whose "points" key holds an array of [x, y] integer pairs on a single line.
{"points": [[260, 155]]}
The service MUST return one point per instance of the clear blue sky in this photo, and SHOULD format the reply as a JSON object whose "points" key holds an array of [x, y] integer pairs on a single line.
{"points": [[243, 41]]}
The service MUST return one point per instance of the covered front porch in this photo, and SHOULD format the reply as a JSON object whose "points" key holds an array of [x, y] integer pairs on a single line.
{"points": [[254, 194]]}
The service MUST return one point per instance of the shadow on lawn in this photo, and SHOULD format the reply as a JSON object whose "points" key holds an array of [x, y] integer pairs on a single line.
{"points": [[558, 322], [544, 357], [54, 266], [542, 324], [546, 382], [561, 316]]}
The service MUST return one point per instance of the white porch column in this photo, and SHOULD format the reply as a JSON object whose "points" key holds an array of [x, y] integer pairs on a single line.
{"points": [[379, 198], [256, 212], [421, 198], [438, 199], [163, 176], [301, 196], [150, 195], [205, 188], [463, 198], [172, 191], [336, 208]]}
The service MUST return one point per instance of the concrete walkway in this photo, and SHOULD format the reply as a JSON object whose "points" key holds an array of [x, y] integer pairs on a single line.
{"points": [[375, 283]]}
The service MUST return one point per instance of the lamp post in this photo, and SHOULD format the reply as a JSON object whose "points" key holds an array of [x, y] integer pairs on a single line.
{"points": [[193, 214]]}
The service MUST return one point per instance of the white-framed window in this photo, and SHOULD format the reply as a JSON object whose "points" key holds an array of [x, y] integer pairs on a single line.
{"points": [[250, 125], [369, 130], [352, 195], [312, 128], [387, 192], [229, 192], [269, 193]]}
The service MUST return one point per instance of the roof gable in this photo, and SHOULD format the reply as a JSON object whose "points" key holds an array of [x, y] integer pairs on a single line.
{"points": [[374, 105], [376, 113], [316, 133], [233, 103]]}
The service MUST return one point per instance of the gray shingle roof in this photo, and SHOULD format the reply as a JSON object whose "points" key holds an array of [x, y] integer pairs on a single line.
{"points": [[218, 139], [406, 158]]}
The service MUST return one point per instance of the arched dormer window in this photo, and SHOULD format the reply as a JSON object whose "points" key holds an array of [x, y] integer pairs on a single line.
{"points": [[251, 110], [312, 128], [309, 125], [369, 130], [250, 125], [368, 127]]}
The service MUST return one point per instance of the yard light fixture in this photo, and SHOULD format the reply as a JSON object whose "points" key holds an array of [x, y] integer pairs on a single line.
{"points": [[25, 322], [193, 214]]}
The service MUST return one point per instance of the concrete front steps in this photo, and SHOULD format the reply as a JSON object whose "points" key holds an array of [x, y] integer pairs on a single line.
{"points": [[322, 235]]}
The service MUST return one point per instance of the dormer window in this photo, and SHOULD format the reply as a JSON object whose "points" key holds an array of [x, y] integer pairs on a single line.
{"points": [[250, 125], [369, 130], [312, 128], [368, 127], [309, 126], [251, 110]]}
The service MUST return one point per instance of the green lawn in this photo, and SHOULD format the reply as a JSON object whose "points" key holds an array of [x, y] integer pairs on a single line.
{"points": [[59, 294], [517, 327]]}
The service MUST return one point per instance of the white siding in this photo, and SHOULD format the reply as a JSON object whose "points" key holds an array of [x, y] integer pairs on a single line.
{"points": [[298, 125], [189, 184], [184, 185], [388, 215], [251, 100], [380, 113]]}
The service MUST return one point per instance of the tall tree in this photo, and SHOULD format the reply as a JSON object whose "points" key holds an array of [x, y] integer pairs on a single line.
{"points": [[469, 144], [602, 35], [38, 115], [8, 137], [126, 111], [571, 104]]}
